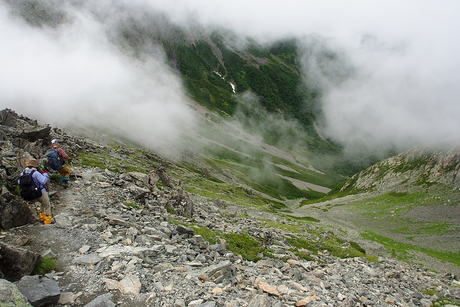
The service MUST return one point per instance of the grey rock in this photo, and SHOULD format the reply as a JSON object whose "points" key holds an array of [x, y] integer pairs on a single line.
{"points": [[40, 291], [224, 271], [166, 230], [199, 241], [63, 220], [92, 258], [104, 300], [155, 232], [8, 118], [184, 230], [260, 301], [220, 248], [14, 212], [17, 262], [36, 134], [10, 296]]}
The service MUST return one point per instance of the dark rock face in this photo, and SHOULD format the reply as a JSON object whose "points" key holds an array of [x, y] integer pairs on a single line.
{"points": [[40, 291], [35, 135], [17, 262], [8, 118], [14, 212]]}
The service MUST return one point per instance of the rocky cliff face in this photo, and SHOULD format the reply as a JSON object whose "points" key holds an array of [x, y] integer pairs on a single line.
{"points": [[130, 238], [418, 167]]}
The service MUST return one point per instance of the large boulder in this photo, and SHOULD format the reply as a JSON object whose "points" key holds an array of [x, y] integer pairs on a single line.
{"points": [[40, 291], [139, 179], [14, 212], [17, 262], [181, 202], [217, 273], [36, 134], [164, 177]]}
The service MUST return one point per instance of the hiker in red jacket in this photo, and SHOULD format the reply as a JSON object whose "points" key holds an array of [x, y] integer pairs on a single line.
{"points": [[65, 170]]}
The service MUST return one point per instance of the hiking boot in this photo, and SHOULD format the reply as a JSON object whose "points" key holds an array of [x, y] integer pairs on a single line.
{"points": [[42, 216], [48, 220]]}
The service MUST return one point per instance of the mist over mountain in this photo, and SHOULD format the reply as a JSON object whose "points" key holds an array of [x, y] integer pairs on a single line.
{"points": [[364, 82]]}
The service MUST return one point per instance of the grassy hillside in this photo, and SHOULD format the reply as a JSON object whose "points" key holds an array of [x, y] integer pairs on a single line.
{"points": [[409, 204]]}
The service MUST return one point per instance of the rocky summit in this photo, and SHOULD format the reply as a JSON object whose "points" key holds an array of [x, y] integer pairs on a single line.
{"points": [[130, 238]]}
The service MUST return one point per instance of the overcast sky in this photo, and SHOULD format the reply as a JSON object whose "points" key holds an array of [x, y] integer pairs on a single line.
{"points": [[405, 86]]}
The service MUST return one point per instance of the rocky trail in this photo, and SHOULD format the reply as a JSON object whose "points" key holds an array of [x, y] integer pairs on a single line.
{"points": [[112, 254], [129, 238]]}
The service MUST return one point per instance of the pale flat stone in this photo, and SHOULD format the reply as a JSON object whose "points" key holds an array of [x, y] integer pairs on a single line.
{"points": [[264, 286], [84, 249], [130, 285]]}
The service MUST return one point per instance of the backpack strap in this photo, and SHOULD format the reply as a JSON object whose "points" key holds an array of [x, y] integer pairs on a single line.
{"points": [[26, 173]]}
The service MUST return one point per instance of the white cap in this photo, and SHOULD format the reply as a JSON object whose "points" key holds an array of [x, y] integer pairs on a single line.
{"points": [[55, 141]]}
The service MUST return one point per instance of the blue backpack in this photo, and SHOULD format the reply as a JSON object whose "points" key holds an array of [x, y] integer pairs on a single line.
{"points": [[53, 159]]}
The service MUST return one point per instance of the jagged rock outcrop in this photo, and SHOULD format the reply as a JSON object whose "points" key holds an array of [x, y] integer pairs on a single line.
{"points": [[21, 139], [14, 211]]}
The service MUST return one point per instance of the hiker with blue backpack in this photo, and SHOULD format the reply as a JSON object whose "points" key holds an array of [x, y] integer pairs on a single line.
{"points": [[57, 158], [33, 184]]}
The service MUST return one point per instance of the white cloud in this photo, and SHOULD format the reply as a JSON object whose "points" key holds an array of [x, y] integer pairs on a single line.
{"points": [[74, 75]]}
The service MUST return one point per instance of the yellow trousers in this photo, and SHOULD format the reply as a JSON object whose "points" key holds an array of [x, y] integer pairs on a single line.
{"points": [[65, 171]]}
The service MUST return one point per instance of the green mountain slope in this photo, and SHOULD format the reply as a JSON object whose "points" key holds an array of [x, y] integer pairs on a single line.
{"points": [[215, 70], [257, 144]]}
